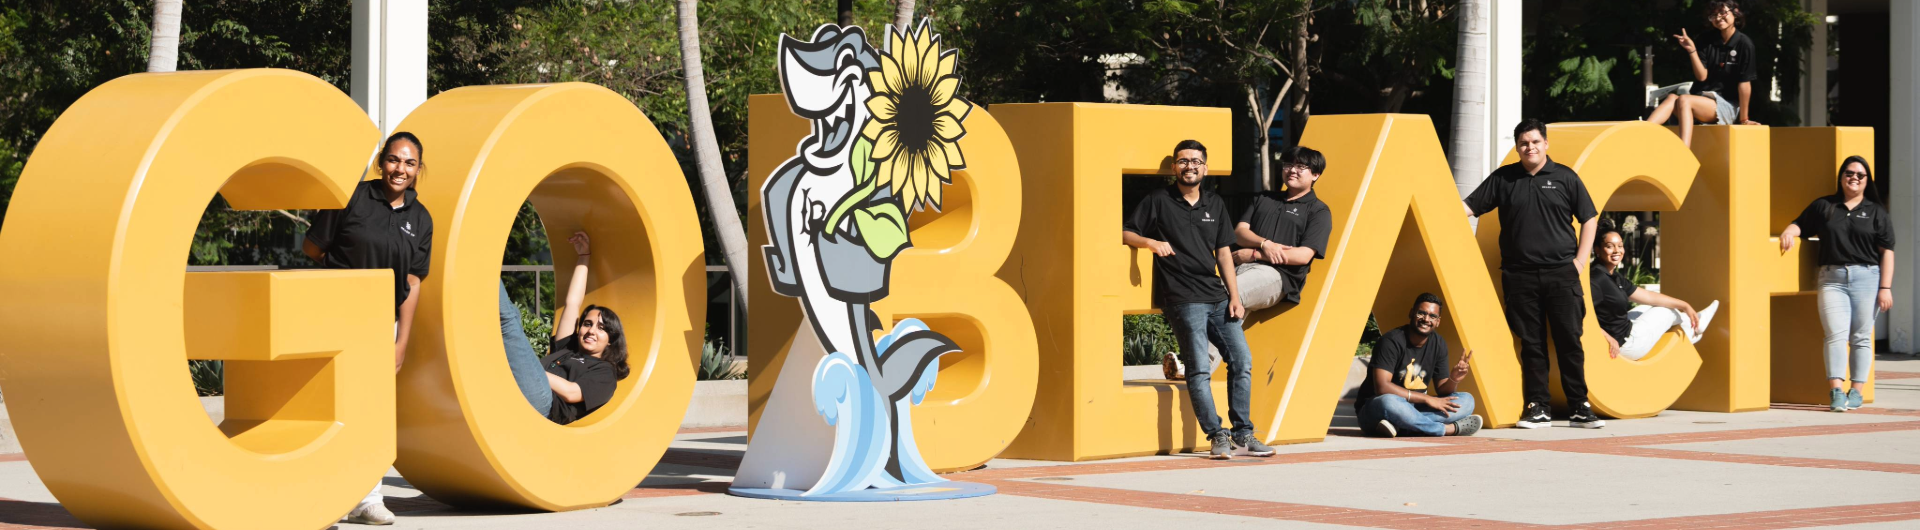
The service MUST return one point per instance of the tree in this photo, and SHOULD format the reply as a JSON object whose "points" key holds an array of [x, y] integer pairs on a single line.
{"points": [[903, 15], [713, 180], [165, 47], [1468, 149]]}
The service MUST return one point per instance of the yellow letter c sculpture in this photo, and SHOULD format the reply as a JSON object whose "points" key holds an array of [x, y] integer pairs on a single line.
{"points": [[590, 161], [98, 314]]}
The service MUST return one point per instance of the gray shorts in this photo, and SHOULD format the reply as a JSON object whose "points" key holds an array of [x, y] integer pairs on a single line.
{"points": [[1261, 285], [1724, 111]]}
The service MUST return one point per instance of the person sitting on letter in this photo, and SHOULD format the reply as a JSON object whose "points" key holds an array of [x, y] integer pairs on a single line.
{"points": [[589, 353], [1394, 398], [1282, 233], [1632, 333]]}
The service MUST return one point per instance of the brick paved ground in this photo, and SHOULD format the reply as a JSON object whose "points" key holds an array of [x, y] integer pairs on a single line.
{"points": [[1791, 467]]}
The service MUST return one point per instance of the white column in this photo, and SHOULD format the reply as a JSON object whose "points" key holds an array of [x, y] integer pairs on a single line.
{"points": [[1813, 86], [1503, 109], [389, 58], [1898, 165]]}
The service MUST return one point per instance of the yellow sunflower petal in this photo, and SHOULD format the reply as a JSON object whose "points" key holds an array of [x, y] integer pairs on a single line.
{"points": [[887, 144], [947, 128], [929, 65], [896, 40], [948, 60], [878, 80], [893, 74], [883, 107], [943, 90], [933, 195], [899, 167], [952, 151], [937, 159], [872, 131], [909, 64], [883, 171], [958, 108]]}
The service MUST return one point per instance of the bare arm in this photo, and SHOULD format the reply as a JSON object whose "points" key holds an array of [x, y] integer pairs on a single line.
{"points": [[1746, 92], [1886, 280], [1460, 370], [312, 251], [576, 288], [404, 330], [1787, 236], [1160, 248], [1225, 259], [568, 391], [1585, 249], [1243, 234], [1468, 209]]}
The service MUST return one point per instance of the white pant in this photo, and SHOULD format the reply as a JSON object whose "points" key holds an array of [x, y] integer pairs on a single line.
{"points": [[374, 496], [1649, 323]]}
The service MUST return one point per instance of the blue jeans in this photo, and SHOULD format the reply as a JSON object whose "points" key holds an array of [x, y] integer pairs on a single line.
{"points": [[520, 358], [1410, 419], [1848, 299], [1196, 325]]}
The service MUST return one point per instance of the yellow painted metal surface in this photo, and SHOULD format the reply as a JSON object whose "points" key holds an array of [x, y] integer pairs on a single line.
{"points": [[589, 160], [94, 332], [1716, 248], [962, 283], [1626, 166], [1806, 161]]}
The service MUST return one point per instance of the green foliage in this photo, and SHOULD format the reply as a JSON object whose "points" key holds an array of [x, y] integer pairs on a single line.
{"points": [[717, 363], [1369, 338], [209, 377], [1146, 337]]}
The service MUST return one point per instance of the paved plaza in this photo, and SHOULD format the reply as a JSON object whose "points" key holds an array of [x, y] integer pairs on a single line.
{"points": [[1790, 467]]}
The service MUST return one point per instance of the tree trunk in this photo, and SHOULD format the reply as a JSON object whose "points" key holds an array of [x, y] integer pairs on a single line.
{"points": [[846, 13], [1468, 147], [726, 218], [903, 15], [1301, 109], [164, 53]]}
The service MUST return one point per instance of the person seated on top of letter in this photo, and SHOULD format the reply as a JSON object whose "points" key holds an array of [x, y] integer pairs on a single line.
{"points": [[589, 352], [1282, 233], [1632, 333], [1723, 71], [1394, 397], [1193, 284]]}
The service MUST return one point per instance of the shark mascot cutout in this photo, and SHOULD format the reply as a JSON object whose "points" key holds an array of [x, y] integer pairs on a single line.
{"points": [[885, 131]]}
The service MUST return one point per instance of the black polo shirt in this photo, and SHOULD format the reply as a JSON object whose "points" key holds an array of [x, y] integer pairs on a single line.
{"points": [[1536, 214], [1728, 64], [1847, 236], [372, 234], [594, 375], [1610, 303], [1303, 222], [1196, 231], [1426, 364]]}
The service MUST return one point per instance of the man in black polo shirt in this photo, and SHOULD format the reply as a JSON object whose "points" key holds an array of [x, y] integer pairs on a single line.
{"points": [[1189, 233], [1540, 259], [1282, 233]]}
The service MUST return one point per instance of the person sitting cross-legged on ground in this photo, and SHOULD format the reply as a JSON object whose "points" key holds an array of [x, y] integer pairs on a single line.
{"points": [[1393, 398], [1187, 230]]}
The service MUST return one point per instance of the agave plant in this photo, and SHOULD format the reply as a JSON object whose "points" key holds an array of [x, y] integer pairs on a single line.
{"points": [[716, 363], [208, 377]]}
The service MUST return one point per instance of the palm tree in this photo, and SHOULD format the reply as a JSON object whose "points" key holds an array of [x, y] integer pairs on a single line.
{"points": [[903, 15], [846, 13], [164, 53], [1469, 143], [726, 218]]}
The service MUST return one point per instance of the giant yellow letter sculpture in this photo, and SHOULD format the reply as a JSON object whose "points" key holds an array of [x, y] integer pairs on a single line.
{"points": [[99, 315], [590, 161]]}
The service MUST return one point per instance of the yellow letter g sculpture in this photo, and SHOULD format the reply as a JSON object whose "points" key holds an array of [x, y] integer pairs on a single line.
{"points": [[99, 314]]}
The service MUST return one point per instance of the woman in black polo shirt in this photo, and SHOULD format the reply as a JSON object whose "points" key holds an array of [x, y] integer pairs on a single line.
{"points": [[1723, 74], [589, 355], [1632, 332], [382, 227], [1856, 268]]}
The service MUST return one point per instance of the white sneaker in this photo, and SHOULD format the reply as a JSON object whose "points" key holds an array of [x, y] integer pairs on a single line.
{"points": [[373, 513], [1388, 426]]}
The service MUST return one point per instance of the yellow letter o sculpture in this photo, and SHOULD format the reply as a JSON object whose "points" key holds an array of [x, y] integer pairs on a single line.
{"points": [[590, 161], [99, 315]]}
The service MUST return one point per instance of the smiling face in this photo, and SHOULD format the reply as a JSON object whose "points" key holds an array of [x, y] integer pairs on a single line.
{"points": [[592, 333], [1426, 317], [1532, 146], [1189, 165], [1612, 249], [1853, 179], [400, 166], [1299, 177], [1721, 18]]}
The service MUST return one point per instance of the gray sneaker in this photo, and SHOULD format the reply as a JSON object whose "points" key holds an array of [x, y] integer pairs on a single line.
{"points": [[1252, 445], [1467, 426], [1839, 401], [1222, 447]]}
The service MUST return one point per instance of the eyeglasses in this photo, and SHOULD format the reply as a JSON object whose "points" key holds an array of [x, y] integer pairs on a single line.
{"points": [[1189, 162], [1851, 174], [1289, 168], [1727, 13]]}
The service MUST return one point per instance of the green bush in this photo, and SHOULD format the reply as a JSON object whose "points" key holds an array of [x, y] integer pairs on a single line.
{"points": [[208, 377], [1146, 337]]}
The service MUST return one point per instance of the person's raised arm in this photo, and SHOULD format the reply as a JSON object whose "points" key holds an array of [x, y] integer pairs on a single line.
{"points": [[404, 330], [1460, 369], [567, 391], [1693, 53], [576, 288]]}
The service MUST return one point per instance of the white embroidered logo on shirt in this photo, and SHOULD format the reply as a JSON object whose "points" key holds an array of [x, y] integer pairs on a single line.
{"points": [[408, 228]]}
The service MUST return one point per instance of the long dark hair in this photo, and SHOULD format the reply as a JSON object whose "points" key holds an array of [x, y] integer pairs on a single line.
{"points": [[1872, 192], [420, 150], [616, 352]]}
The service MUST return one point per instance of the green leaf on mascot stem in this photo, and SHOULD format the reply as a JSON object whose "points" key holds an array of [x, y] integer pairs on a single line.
{"points": [[862, 161], [883, 228], [862, 165]]}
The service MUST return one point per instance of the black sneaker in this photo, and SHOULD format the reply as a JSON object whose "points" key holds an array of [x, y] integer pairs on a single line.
{"points": [[1467, 426], [1222, 446], [1252, 445], [1583, 418], [1537, 417]]}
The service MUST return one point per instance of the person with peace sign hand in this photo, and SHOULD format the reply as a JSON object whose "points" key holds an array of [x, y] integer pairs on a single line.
{"points": [[1723, 72], [1394, 399]]}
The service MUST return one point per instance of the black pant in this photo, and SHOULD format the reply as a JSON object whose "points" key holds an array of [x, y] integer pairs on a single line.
{"points": [[1539, 301]]}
